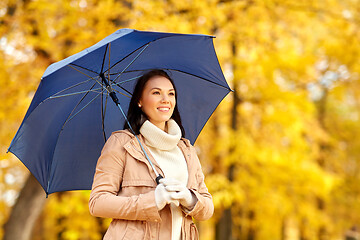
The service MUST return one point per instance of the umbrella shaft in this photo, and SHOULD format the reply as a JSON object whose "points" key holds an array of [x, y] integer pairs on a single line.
{"points": [[158, 176], [109, 89], [116, 101], [114, 98]]}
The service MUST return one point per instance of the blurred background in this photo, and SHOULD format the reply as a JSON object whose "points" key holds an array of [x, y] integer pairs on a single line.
{"points": [[281, 154]]}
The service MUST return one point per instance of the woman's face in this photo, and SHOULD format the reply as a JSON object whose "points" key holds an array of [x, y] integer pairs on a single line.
{"points": [[158, 100]]}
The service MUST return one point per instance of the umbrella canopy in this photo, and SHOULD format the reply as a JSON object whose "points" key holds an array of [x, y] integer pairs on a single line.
{"points": [[71, 115]]}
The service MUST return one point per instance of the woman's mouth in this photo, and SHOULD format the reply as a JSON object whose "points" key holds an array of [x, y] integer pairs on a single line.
{"points": [[163, 109]]}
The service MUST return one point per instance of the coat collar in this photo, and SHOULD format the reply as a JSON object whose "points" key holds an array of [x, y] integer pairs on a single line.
{"points": [[132, 146]]}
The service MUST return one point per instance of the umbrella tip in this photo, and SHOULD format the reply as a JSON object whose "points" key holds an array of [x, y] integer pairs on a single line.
{"points": [[8, 150]]}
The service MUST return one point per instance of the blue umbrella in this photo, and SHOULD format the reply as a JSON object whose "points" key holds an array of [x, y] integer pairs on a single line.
{"points": [[72, 114]]}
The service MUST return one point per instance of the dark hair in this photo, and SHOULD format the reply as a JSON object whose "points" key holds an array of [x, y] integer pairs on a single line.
{"points": [[135, 115]]}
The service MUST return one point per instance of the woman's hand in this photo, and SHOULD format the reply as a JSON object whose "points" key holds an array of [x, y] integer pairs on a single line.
{"points": [[162, 197], [179, 191]]}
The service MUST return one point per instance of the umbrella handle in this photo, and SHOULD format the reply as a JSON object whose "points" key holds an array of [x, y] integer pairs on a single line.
{"points": [[157, 179]]}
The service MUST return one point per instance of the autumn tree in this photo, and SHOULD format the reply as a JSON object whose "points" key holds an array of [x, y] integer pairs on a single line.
{"points": [[280, 154]]}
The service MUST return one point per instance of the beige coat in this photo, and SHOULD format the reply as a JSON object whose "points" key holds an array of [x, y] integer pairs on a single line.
{"points": [[124, 185]]}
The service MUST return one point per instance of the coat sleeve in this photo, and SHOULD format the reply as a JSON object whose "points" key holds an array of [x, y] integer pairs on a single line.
{"points": [[204, 208], [104, 200]]}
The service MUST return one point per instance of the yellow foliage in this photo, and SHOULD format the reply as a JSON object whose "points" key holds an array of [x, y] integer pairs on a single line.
{"points": [[284, 156]]}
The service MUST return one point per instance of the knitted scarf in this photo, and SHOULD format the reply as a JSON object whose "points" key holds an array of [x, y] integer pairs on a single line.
{"points": [[164, 149]]}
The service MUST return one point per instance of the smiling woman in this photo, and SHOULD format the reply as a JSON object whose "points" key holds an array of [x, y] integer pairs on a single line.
{"points": [[158, 101], [124, 187]]}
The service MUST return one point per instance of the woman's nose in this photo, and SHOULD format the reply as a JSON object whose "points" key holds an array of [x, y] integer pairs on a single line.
{"points": [[165, 98]]}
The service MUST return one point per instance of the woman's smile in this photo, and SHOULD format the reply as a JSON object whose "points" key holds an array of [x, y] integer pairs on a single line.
{"points": [[164, 109]]}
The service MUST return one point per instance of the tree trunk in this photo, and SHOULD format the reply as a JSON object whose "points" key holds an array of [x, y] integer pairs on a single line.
{"points": [[252, 228], [225, 224], [303, 229], [283, 229], [223, 227], [321, 204], [25, 211]]}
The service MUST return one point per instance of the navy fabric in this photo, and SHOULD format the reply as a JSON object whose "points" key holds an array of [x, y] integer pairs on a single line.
{"points": [[71, 115]]}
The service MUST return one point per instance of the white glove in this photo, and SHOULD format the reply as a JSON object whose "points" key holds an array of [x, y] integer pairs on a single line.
{"points": [[162, 197], [178, 191]]}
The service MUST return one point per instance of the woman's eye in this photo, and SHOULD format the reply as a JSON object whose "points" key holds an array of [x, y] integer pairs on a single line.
{"points": [[172, 94], [156, 93]]}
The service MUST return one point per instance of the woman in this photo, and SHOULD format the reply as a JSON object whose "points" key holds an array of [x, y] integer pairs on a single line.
{"points": [[124, 188]]}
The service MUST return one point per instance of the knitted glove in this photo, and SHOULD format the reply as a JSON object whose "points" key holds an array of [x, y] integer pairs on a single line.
{"points": [[162, 197], [178, 191]]}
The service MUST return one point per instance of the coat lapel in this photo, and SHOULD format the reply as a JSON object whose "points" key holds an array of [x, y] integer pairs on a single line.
{"points": [[134, 149]]}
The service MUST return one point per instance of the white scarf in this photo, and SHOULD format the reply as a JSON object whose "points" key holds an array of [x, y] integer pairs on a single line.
{"points": [[164, 149]]}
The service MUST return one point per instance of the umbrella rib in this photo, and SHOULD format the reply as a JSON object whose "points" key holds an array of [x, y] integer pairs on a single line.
{"points": [[72, 64], [109, 60], [81, 71], [128, 80], [69, 118], [83, 97], [132, 61], [207, 80], [103, 112], [75, 93], [128, 96], [68, 88], [103, 61], [127, 56]]}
